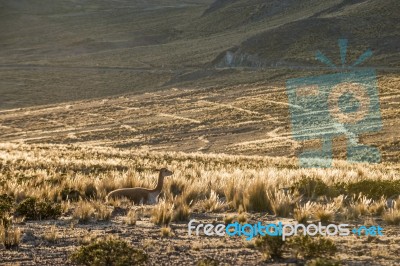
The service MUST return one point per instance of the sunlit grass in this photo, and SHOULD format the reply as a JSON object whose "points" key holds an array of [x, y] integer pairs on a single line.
{"points": [[211, 183]]}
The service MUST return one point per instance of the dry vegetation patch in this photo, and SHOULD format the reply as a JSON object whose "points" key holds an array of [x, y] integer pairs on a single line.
{"points": [[53, 182]]}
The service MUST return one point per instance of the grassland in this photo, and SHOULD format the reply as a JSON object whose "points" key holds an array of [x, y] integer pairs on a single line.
{"points": [[213, 187]]}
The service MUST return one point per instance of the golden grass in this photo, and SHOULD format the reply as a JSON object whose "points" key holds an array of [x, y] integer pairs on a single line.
{"points": [[83, 211], [392, 216], [51, 235], [162, 213], [10, 236], [131, 217], [212, 182], [302, 213], [282, 204], [181, 210], [212, 203], [255, 197], [166, 232], [101, 211]]}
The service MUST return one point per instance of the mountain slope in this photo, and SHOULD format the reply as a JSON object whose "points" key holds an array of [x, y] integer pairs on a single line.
{"points": [[366, 24], [70, 50]]}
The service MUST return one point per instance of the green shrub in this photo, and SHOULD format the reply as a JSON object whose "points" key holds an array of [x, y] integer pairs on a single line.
{"points": [[208, 262], [33, 209], [70, 194], [375, 189], [312, 247], [90, 191], [322, 262], [311, 187], [109, 252], [272, 246], [6, 204]]}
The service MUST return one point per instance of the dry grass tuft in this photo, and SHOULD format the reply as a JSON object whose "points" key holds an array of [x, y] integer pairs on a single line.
{"points": [[166, 232], [162, 213], [101, 211], [10, 236], [131, 217], [282, 204], [212, 203], [51, 234], [228, 219], [83, 211], [303, 213], [181, 211], [255, 197], [392, 216], [325, 212], [242, 218]]}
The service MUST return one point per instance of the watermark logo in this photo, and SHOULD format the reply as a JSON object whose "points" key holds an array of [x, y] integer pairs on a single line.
{"points": [[334, 105], [249, 231]]}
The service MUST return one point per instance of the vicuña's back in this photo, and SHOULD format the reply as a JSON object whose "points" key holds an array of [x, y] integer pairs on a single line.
{"points": [[139, 194]]}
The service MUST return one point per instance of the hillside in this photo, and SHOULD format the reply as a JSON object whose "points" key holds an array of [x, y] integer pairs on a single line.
{"points": [[366, 24], [79, 49], [243, 119]]}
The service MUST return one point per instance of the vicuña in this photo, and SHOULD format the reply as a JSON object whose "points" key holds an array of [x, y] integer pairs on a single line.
{"points": [[139, 194]]}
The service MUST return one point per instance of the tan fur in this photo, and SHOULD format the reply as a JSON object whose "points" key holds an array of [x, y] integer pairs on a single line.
{"points": [[139, 194]]}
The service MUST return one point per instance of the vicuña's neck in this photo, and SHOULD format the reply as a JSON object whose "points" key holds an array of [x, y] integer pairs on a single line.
{"points": [[159, 183]]}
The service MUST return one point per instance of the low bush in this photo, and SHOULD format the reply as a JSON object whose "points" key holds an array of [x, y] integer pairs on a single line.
{"points": [[375, 189], [312, 188], [6, 204], [271, 246], [90, 191], [312, 247], [70, 194], [33, 209], [110, 252], [322, 262]]}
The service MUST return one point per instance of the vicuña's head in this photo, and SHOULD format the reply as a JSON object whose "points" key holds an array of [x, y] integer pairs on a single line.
{"points": [[165, 172]]}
